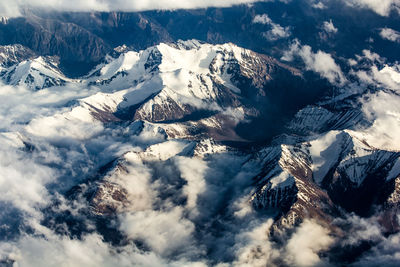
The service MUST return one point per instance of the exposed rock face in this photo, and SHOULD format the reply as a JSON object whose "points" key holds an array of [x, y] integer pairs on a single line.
{"points": [[13, 54], [324, 177], [48, 37], [286, 185], [319, 119]]}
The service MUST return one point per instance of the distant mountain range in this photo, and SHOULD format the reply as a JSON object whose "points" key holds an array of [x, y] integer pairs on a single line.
{"points": [[87, 38]]}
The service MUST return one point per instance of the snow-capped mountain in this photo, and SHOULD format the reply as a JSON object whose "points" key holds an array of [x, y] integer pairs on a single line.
{"points": [[189, 152], [184, 77], [36, 73], [200, 87], [194, 90], [324, 175]]}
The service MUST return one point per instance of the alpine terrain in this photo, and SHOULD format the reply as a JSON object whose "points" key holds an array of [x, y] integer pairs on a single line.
{"points": [[247, 133]]}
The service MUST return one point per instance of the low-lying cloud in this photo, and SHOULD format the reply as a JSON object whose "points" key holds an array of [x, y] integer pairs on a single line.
{"points": [[329, 27], [382, 110], [320, 62], [390, 34], [381, 7], [303, 247], [379, 106], [276, 32]]}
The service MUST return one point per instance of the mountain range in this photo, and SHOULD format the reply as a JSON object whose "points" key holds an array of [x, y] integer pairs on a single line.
{"points": [[252, 135]]}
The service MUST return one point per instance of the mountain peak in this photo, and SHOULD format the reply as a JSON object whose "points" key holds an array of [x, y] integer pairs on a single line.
{"points": [[35, 73], [3, 20]]}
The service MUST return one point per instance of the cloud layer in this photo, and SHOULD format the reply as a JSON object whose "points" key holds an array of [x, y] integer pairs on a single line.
{"points": [[381, 7], [12, 8], [174, 213]]}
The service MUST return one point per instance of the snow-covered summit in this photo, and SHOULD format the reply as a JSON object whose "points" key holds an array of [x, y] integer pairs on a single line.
{"points": [[34, 73], [177, 79]]}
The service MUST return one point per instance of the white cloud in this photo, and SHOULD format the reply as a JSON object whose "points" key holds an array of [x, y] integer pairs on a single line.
{"points": [[390, 34], [91, 251], [381, 7], [27, 181], [301, 249], [380, 107], [318, 5], [19, 106], [15, 170], [12, 8], [383, 111], [362, 229], [257, 250], [165, 232], [193, 171], [136, 180], [372, 56], [375, 72], [386, 249], [329, 27], [262, 19], [320, 62], [52, 250], [305, 244], [276, 32]]}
